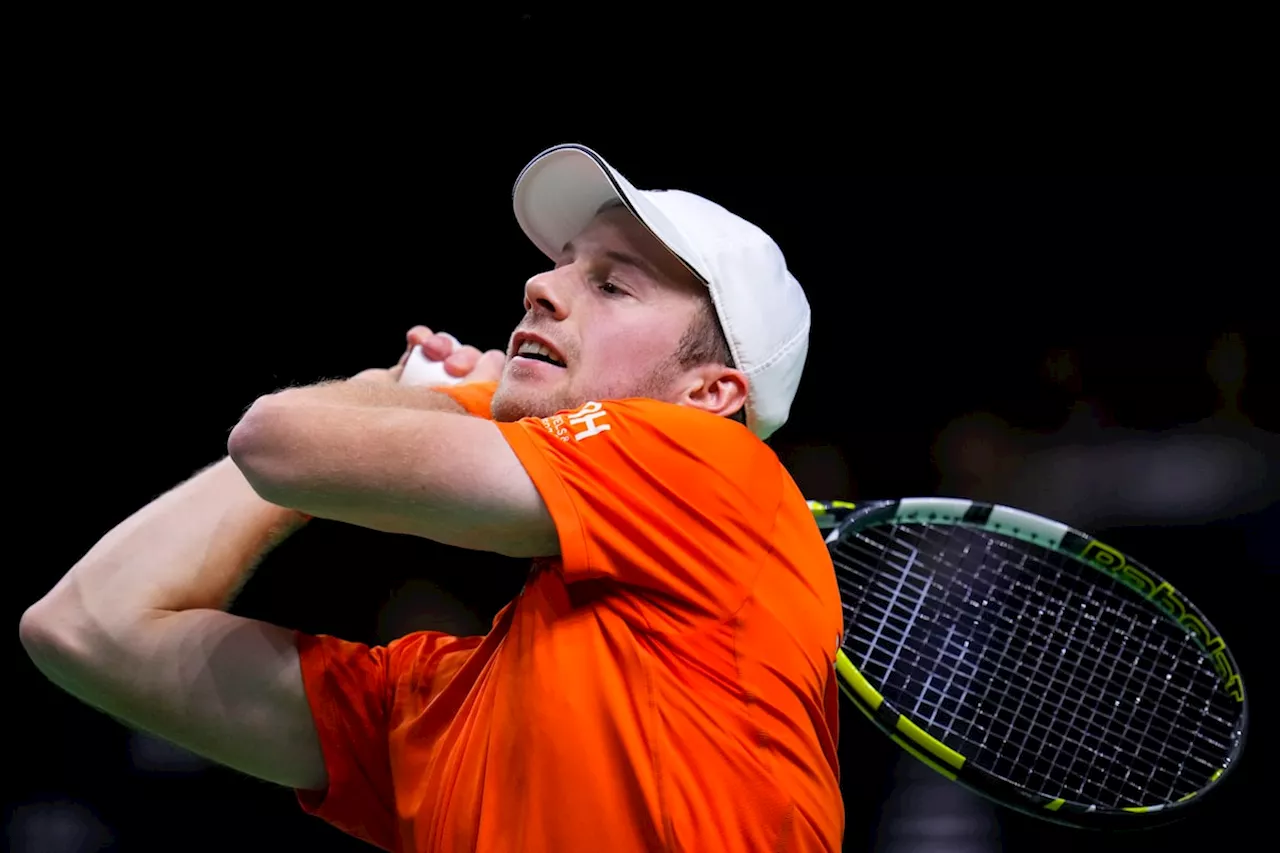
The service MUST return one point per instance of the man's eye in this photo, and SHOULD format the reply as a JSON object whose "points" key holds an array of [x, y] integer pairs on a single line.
{"points": [[611, 288]]}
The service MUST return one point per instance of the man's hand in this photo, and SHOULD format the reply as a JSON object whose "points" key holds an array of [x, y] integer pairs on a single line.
{"points": [[465, 362]]}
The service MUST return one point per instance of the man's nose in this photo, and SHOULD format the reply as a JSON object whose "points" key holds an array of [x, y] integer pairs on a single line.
{"points": [[545, 292]]}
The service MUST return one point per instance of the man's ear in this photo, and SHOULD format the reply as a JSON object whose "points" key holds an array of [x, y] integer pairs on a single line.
{"points": [[716, 389]]}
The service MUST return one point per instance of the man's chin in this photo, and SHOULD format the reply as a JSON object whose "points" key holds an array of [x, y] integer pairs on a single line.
{"points": [[514, 400]]}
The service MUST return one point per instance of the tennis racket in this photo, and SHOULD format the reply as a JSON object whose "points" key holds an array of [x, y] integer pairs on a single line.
{"points": [[1031, 663]]}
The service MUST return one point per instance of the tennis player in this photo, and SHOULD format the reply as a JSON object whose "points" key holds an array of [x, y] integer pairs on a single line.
{"points": [[664, 681]]}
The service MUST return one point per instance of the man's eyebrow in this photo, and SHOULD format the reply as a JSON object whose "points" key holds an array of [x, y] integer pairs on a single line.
{"points": [[625, 258]]}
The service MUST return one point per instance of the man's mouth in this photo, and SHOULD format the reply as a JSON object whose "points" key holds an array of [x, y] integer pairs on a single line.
{"points": [[538, 351]]}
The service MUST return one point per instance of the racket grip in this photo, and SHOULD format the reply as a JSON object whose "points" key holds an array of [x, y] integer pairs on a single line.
{"points": [[420, 370]]}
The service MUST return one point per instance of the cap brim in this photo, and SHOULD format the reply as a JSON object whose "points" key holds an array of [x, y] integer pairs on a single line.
{"points": [[563, 188]]}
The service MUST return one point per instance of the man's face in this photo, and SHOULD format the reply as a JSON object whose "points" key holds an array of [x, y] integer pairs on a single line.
{"points": [[611, 315]]}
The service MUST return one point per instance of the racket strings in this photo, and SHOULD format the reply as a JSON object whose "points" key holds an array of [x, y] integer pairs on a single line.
{"points": [[1004, 653], [1054, 678], [1014, 661], [1080, 679], [1034, 666], [1025, 731]]}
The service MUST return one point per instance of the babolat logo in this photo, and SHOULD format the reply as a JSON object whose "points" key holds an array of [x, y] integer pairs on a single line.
{"points": [[1167, 599]]}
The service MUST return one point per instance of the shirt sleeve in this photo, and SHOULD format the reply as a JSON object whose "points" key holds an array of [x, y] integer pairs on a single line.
{"points": [[347, 688], [475, 397], [668, 498]]}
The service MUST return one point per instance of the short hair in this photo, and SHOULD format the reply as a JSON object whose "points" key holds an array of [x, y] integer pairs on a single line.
{"points": [[703, 342]]}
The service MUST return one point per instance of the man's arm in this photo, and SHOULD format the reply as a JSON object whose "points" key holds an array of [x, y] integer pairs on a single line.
{"points": [[368, 452], [137, 629]]}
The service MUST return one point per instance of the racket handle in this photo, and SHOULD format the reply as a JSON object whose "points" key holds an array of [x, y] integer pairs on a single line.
{"points": [[420, 370]]}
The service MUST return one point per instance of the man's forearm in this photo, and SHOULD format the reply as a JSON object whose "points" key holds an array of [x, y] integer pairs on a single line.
{"points": [[284, 434], [191, 548], [366, 392]]}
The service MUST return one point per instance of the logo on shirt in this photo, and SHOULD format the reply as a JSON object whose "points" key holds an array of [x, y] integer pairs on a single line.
{"points": [[584, 421], [587, 421]]}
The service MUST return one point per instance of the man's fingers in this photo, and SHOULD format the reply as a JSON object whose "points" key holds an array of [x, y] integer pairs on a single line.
{"points": [[435, 345], [417, 335], [462, 361], [459, 360]]}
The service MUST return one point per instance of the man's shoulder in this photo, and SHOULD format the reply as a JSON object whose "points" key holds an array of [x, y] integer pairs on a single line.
{"points": [[641, 442], [669, 418], [681, 432]]}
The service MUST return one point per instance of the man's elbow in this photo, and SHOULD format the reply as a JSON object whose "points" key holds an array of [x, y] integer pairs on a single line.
{"points": [[35, 631], [52, 634], [258, 444]]}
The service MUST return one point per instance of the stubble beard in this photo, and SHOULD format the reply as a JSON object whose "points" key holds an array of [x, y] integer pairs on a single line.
{"points": [[511, 404]]}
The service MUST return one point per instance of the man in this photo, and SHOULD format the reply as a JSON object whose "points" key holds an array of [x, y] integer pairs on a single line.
{"points": [[663, 682]]}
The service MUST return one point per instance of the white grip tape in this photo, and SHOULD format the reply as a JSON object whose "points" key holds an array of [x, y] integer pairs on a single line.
{"points": [[420, 370]]}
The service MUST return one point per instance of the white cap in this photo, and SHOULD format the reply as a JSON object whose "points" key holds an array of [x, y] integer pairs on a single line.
{"points": [[762, 309]]}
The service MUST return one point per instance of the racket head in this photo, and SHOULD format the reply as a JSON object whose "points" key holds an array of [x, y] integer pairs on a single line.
{"points": [[1039, 776]]}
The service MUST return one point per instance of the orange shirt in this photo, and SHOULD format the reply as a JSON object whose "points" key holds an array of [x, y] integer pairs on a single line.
{"points": [[665, 684]]}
